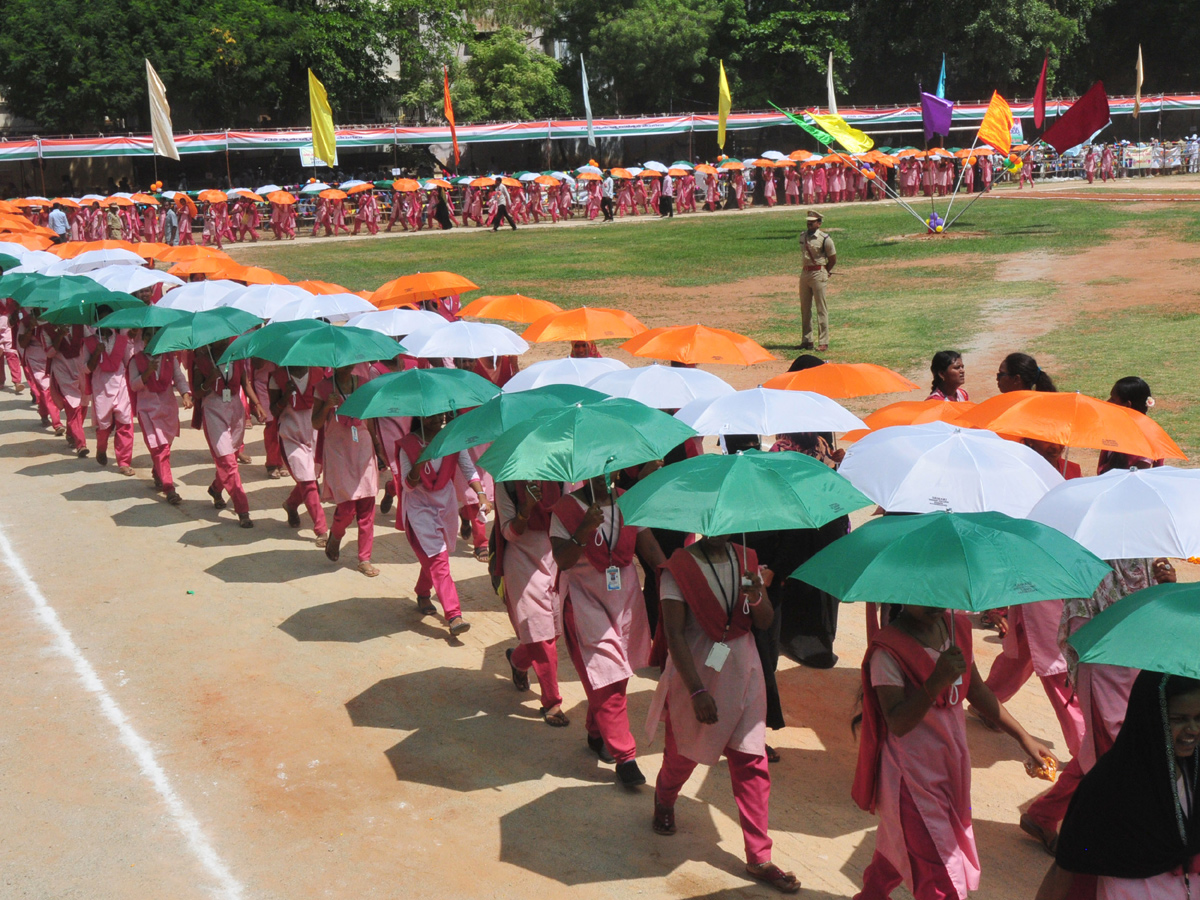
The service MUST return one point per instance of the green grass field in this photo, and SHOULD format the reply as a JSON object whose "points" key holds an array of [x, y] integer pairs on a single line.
{"points": [[897, 299]]}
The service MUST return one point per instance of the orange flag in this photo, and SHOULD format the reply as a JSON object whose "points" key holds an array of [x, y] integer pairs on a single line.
{"points": [[996, 127], [448, 110]]}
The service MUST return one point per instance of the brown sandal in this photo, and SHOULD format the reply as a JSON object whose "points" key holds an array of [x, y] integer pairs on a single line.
{"points": [[784, 882], [174, 499], [554, 719], [425, 605], [520, 679], [664, 819], [367, 569]]}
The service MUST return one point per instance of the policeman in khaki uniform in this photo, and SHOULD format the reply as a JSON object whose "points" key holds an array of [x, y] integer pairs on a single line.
{"points": [[820, 256]]}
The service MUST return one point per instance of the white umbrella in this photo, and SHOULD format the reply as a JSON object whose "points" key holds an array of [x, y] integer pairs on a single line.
{"points": [[332, 307], [265, 300], [198, 296], [773, 154], [238, 192], [529, 176], [124, 195], [31, 260], [315, 188], [562, 371], [655, 166], [927, 468], [131, 278], [768, 411], [267, 189], [353, 182], [464, 340], [12, 248], [662, 387], [1128, 513], [589, 170], [99, 197], [398, 322], [97, 259]]}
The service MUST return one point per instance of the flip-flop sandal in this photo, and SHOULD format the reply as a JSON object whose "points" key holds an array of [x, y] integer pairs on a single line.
{"points": [[367, 569], [519, 679], [554, 720], [1038, 833], [784, 882], [664, 819], [425, 605], [772, 754], [217, 499], [174, 499], [481, 554]]}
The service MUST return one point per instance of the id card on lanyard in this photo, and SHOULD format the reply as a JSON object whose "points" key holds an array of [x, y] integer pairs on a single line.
{"points": [[720, 650], [612, 575]]}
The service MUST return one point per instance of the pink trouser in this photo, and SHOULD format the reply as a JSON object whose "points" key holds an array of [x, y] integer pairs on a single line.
{"points": [[271, 443], [160, 463], [45, 402], [931, 881], [74, 422], [751, 791], [470, 512], [607, 714], [228, 478], [435, 576], [1050, 808], [542, 657], [122, 442], [14, 366], [1009, 673], [306, 492], [364, 509]]}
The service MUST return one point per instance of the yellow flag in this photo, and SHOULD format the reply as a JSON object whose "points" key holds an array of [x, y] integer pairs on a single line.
{"points": [[851, 138], [996, 127], [724, 103], [1137, 93], [324, 140]]}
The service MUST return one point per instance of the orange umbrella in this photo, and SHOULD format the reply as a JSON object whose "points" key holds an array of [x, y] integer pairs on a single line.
{"points": [[28, 241], [677, 173], [187, 201], [841, 380], [422, 286], [23, 225], [588, 176], [7, 206], [910, 412], [203, 265], [247, 194], [190, 252], [649, 173], [478, 182], [31, 203], [441, 182], [332, 194], [281, 197], [547, 180], [763, 163], [359, 188], [251, 275], [151, 249], [621, 173], [510, 308], [117, 201], [212, 196], [1073, 420], [67, 202], [510, 182], [322, 287], [145, 198], [785, 163], [733, 165], [799, 155], [695, 344], [71, 249], [583, 324], [910, 152], [706, 169]]}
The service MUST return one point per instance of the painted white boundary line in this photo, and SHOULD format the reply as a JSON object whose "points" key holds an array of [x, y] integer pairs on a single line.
{"points": [[226, 885]]}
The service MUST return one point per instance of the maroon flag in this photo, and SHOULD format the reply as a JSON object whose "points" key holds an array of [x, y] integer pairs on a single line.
{"points": [[1039, 97], [1085, 117]]}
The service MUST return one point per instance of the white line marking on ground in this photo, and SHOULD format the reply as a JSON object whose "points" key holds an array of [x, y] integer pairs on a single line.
{"points": [[227, 885]]}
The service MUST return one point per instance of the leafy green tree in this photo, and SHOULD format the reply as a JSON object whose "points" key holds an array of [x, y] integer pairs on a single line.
{"points": [[513, 80]]}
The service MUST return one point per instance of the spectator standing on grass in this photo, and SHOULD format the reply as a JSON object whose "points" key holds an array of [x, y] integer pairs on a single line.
{"points": [[606, 196], [819, 257], [666, 203]]}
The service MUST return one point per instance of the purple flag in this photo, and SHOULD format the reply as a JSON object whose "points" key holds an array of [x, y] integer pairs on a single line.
{"points": [[936, 114]]}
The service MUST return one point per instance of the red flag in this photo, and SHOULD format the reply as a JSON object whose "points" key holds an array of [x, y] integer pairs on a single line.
{"points": [[1085, 117], [448, 110], [1039, 97]]}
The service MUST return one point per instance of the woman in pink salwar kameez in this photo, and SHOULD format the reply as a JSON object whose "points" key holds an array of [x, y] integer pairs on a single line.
{"points": [[429, 512], [413, 209], [791, 186], [1089, 165], [397, 213], [473, 207], [36, 341], [687, 193], [210, 235], [738, 182], [769, 187], [808, 185], [248, 220], [985, 172], [292, 398], [321, 217], [264, 375], [350, 474], [68, 382], [566, 200], [716, 709], [337, 215], [928, 177], [108, 354], [821, 176], [595, 192], [604, 613], [655, 195], [10, 358], [914, 768], [150, 224], [391, 430], [185, 222], [219, 392], [1106, 163], [531, 596], [154, 381], [367, 213], [638, 194]]}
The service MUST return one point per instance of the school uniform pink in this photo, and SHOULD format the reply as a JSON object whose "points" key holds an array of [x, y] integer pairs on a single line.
{"points": [[38, 343], [131, 225], [154, 381], [808, 186], [566, 201], [68, 382], [350, 475], [985, 172], [1106, 162], [791, 185], [968, 179], [222, 418], [1089, 165], [537, 210], [8, 344], [413, 210], [929, 177], [248, 221], [655, 195], [321, 217], [595, 193], [112, 406], [293, 397], [264, 373], [737, 180], [367, 213], [820, 183]]}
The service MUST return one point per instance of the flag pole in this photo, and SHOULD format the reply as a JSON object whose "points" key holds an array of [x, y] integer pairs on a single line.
{"points": [[958, 183]]}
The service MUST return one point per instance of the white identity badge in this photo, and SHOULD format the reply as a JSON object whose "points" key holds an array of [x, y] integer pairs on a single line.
{"points": [[612, 576], [354, 433], [227, 395], [717, 656]]}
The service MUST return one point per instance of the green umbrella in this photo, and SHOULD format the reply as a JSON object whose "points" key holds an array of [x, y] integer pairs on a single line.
{"points": [[143, 317], [12, 282], [583, 441], [1157, 629], [418, 392], [492, 419], [308, 342], [752, 491], [8, 262], [86, 310], [967, 561], [56, 290], [200, 329]]}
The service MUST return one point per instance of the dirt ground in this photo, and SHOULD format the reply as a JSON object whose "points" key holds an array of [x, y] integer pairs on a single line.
{"points": [[195, 710]]}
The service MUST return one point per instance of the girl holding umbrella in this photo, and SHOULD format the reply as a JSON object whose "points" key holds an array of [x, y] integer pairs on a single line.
{"points": [[154, 380]]}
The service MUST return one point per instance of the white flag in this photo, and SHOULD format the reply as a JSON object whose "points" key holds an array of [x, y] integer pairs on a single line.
{"points": [[829, 84], [1137, 91], [160, 115], [587, 103]]}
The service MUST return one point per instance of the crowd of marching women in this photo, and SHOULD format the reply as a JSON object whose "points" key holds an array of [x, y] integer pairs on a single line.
{"points": [[592, 468]]}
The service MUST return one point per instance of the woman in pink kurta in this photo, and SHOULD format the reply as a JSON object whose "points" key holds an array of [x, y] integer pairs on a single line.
{"points": [[1089, 165], [530, 590], [248, 220], [154, 381], [808, 187], [36, 341], [367, 213], [714, 709], [398, 212], [737, 181], [985, 172], [10, 358], [429, 512], [68, 382], [604, 612], [350, 474], [820, 183], [220, 393], [321, 217], [769, 187], [1106, 162], [791, 186], [638, 192], [391, 430], [185, 223], [712, 197], [292, 393], [108, 354], [914, 769], [263, 374]]}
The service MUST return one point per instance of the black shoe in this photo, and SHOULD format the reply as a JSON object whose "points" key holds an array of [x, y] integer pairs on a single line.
{"points": [[385, 505], [101, 458], [596, 745], [629, 774]]}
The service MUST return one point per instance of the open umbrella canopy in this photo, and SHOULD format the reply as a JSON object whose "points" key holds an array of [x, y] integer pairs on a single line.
{"points": [[52, 290], [1155, 629], [143, 316], [332, 194], [335, 308], [314, 187], [583, 441], [265, 300], [201, 265], [98, 259], [418, 392], [8, 262], [252, 275], [842, 380], [409, 289], [86, 310], [398, 322], [1073, 420], [1130, 513], [578, 372], [584, 324], [201, 329], [964, 561], [911, 412], [753, 491], [308, 342], [212, 196], [464, 340], [200, 296], [661, 387], [132, 278], [283, 198], [485, 423], [509, 308], [767, 411], [695, 344], [188, 252], [924, 468], [322, 287]]}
